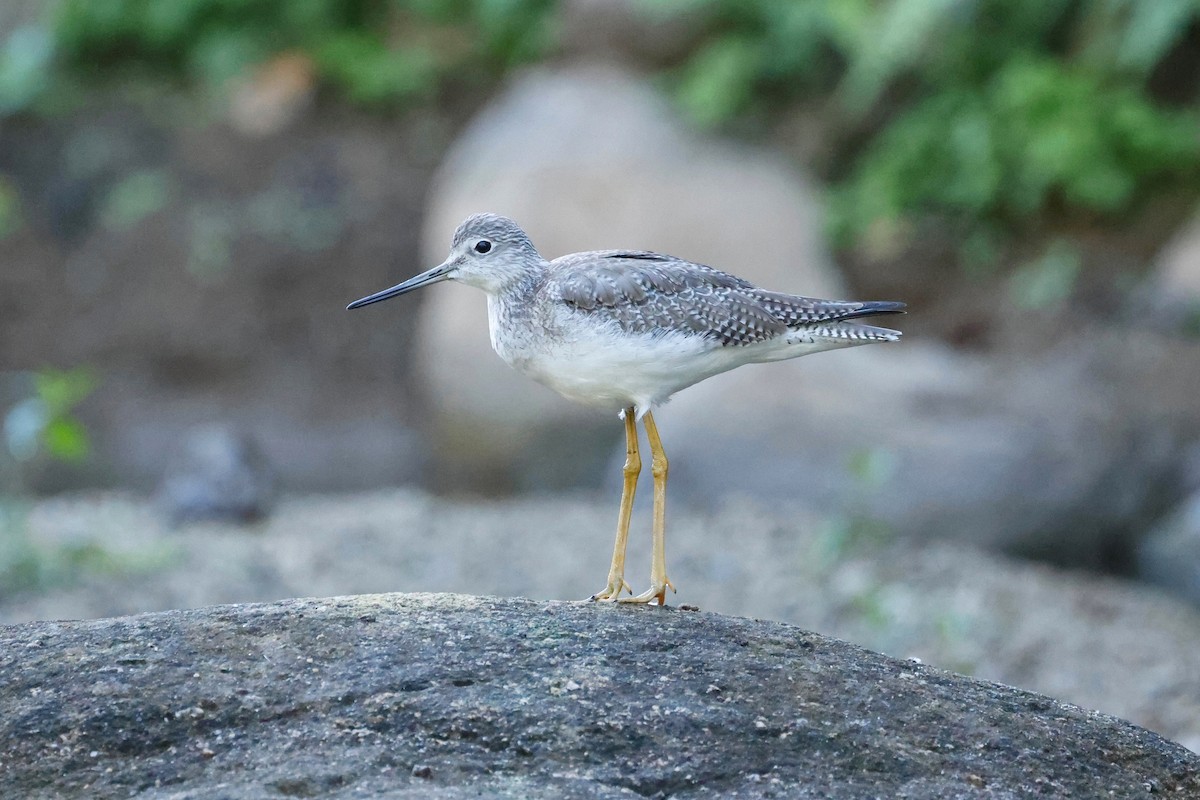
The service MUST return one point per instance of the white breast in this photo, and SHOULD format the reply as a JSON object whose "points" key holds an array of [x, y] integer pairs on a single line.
{"points": [[598, 364]]}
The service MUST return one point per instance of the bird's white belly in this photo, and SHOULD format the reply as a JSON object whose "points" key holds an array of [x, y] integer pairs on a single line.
{"points": [[618, 371], [618, 375], [601, 365]]}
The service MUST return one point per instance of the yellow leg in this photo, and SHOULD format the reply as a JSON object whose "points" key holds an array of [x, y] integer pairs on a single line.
{"points": [[633, 468], [659, 582]]}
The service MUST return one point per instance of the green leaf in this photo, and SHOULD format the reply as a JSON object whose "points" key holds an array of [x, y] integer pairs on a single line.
{"points": [[1153, 27], [66, 439], [512, 31], [373, 73], [719, 80], [62, 390], [901, 33]]}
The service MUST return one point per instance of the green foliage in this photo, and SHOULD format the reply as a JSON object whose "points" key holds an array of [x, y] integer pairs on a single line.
{"points": [[370, 72], [43, 426], [45, 423], [1038, 131], [760, 50], [718, 80], [375, 52], [982, 112]]}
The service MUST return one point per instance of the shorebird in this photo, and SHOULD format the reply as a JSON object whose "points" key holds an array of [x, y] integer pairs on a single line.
{"points": [[626, 329]]}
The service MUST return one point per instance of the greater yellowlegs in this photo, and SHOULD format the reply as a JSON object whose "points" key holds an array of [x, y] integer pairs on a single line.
{"points": [[625, 330]]}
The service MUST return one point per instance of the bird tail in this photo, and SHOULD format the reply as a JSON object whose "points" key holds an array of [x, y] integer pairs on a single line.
{"points": [[870, 308], [840, 326], [856, 331]]}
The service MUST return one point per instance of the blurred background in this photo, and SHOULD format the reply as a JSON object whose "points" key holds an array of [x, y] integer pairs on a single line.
{"points": [[192, 190]]}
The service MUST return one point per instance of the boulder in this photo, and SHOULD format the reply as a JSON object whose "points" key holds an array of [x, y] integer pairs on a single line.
{"points": [[1045, 458], [452, 696], [589, 158], [1103, 643], [218, 473], [1169, 555]]}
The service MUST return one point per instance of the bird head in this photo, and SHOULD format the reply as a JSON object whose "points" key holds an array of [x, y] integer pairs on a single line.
{"points": [[488, 251]]}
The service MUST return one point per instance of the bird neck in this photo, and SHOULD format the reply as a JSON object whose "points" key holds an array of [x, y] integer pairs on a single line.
{"points": [[513, 282]]}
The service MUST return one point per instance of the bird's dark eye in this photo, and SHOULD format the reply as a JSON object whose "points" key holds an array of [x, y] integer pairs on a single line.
{"points": [[483, 246]]}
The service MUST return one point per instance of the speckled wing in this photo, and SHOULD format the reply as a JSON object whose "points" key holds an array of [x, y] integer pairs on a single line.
{"points": [[648, 292]]}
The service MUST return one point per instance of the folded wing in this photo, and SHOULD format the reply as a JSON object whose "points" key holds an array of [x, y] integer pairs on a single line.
{"points": [[645, 292]]}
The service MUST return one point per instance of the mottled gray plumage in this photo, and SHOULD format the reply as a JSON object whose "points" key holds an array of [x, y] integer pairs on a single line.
{"points": [[643, 292], [494, 228]]}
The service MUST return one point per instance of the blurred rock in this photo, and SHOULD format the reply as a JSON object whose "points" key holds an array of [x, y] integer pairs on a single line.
{"points": [[1170, 555], [1178, 264], [1169, 299], [219, 474], [1039, 459], [590, 158]]}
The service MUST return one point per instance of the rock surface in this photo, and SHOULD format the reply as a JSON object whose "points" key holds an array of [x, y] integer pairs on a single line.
{"points": [[589, 158], [452, 696], [1103, 643]]}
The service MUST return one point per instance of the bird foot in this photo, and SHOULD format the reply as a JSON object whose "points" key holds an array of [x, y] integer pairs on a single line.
{"points": [[657, 591], [612, 592]]}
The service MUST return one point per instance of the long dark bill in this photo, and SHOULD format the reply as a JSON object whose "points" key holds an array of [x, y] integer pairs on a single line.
{"points": [[438, 273]]}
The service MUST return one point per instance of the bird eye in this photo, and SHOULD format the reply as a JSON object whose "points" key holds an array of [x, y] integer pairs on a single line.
{"points": [[483, 246]]}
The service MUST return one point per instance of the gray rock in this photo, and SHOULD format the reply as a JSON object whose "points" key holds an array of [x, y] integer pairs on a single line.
{"points": [[1177, 267], [1103, 643], [1169, 556], [1169, 299], [1042, 458], [451, 696], [219, 473], [589, 158]]}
